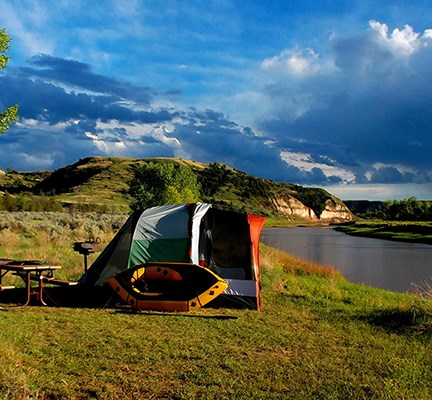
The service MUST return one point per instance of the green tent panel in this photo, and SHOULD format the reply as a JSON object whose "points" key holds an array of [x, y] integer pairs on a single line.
{"points": [[161, 234]]}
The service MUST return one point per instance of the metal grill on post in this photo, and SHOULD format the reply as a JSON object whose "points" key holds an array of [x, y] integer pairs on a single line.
{"points": [[86, 248]]}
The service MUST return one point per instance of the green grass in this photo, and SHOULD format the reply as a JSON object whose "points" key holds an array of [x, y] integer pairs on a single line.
{"points": [[418, 232], [318, 337], [281, 221]]}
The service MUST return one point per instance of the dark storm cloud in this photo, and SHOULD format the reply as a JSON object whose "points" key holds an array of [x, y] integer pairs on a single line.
{"points": [[52, 103], [372, 106], [209, 136], [389, 123], [390, 174], [38, 149], [77, 74], [67, 103]]}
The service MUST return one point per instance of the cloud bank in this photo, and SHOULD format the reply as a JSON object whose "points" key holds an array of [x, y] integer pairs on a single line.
{"points": [[363, 107]]}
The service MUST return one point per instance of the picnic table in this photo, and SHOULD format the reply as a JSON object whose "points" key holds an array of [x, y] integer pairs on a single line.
{"points": [[28, 271]]}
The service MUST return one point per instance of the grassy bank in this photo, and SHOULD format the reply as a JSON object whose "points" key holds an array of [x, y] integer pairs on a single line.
{"points": [[416, 232], [318, 337], [279, 221]]}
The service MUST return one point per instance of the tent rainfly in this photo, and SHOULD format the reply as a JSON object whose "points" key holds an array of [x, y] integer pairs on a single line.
{"points": [[224, 241]]}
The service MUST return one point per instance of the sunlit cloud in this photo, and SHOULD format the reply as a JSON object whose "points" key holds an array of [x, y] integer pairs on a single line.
{"points": [[306, 162], [402, 42], [294, 61]]}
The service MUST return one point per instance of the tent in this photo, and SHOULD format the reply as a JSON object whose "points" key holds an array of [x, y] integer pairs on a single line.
{"points": [[224, 241]]}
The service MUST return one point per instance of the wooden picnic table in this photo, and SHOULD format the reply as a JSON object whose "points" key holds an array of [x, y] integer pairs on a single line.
{"points": [[28, 271]]}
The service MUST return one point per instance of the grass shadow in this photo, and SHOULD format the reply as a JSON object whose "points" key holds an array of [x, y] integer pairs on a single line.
{"points": [[402, 321], [170, 314]]}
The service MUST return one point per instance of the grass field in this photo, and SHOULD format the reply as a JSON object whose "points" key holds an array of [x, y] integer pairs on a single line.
{"points": [[318, 337], [418, 232]]}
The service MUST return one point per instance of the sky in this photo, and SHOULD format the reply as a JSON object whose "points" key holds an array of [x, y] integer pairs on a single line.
{"points": [[332, 94]]}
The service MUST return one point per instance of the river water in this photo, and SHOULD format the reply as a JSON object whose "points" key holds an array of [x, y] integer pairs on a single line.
{"points": [[385, 264]]}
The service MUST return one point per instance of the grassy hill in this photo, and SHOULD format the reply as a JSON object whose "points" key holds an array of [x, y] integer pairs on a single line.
{"points": [[16, 182], [104, 182]]}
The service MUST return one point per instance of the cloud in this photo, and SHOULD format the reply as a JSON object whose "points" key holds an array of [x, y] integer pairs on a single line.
{"points": [[355, 112], [306, 162], [26, 149], [402, 42], [386, 173], [295, 62], [79, 75], [372, 107], [68, 112], [63, 90], [381, 192]]}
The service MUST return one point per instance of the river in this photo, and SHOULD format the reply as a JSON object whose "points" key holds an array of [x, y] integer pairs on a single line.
{"points": [[385, 264]]}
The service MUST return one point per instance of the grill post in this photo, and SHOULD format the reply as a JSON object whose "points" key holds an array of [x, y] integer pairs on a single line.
{"points": [[86, 248]]}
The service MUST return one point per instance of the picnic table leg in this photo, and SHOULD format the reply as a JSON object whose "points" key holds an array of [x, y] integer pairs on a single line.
{"points": [[41, 288], [28, 294], [28, 287]]}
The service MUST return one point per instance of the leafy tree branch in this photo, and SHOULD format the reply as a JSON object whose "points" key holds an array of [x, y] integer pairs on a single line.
{"points": [[10, 115], [163, 183]]}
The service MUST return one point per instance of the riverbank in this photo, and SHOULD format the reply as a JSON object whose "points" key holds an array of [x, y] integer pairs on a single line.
{"points": [[318, 336], [414, 232]]}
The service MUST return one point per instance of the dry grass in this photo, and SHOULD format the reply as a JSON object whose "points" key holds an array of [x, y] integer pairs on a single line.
{"points": [[272, 258], [49, 237], [424, 290]]}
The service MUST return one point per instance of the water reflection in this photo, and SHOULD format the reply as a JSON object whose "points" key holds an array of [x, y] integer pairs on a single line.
{"points": [[380, 263]]}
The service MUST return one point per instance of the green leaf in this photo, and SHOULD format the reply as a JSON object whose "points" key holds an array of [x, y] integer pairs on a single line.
{"points": [[7, 117]]}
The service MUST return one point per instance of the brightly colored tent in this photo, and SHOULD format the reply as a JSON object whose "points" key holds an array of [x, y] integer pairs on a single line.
{"points": [[224, 241]]}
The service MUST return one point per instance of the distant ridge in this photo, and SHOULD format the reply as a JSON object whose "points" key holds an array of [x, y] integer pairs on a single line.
{"points": [[361, 207], [104, 182]]}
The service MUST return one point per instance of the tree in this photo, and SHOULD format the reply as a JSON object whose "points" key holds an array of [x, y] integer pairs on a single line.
{"points": [[313, 198], [157, 184], [409, 209], [9, 115], [213, 177]]}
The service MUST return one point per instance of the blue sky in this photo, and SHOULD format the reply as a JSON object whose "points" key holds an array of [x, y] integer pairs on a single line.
{"points": [[335, 94]]}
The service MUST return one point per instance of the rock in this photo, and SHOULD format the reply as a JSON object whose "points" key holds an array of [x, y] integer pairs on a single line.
{"points": [[336, 212], [292, 206]]}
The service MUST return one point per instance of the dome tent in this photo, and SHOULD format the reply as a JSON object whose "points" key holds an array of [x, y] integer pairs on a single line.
{"points": [[224, 241]]}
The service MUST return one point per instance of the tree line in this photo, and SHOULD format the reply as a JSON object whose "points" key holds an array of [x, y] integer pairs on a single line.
{"points": [[41, 203], [409, 209], [168, 183], [27, 202]]}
